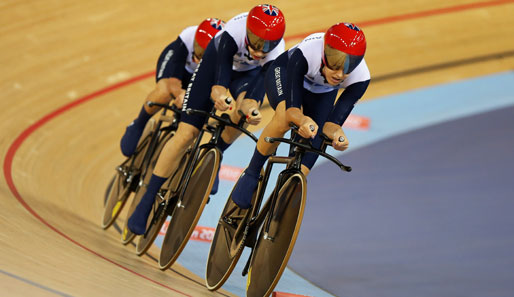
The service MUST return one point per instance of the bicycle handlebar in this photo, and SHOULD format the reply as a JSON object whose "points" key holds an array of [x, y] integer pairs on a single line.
{"points": [[165, 106], [310, 148], [225, 120]]}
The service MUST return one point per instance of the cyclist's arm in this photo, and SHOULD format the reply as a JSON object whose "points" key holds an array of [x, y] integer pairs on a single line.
{"points": [[297, 67], [333, 127], [346, 102], [226, 49]]}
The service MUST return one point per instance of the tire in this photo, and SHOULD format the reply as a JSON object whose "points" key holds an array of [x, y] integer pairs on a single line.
{"points": [[190, 206], [270, 256], [227, 243], [126, 235]]}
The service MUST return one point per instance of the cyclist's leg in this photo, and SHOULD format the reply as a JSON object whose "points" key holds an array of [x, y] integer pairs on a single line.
{"points": [[242, 83], [228, 136], [167, 85], [247, 183], [167, 163], [160, 94], [135, 128]]}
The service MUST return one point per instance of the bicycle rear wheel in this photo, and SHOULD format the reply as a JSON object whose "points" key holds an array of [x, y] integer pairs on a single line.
{"points": [[126, 235], [227, 243], [274, 247], [190, 206], [161, 209]]}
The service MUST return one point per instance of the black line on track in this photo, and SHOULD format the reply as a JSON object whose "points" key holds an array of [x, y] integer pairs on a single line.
{"points": [[32, 283], [446, 65]]}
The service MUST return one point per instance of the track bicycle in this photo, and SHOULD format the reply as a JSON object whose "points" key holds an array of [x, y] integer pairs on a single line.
{"points": [[185, 194], [271, 230], [129, 173]]}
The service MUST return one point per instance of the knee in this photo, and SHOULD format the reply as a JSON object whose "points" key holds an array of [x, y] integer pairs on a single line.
{"points": [[280, 122], [162, 91], [185, 135]]}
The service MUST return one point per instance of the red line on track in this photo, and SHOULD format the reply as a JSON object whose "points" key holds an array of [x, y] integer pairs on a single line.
{"points": [[27, 132], [8, 160]]}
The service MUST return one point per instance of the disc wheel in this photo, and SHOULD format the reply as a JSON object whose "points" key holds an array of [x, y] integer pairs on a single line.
{"points": [[190, 206], [227, 243], [274, 247]]}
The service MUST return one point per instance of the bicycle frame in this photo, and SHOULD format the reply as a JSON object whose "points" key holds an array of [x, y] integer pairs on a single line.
{"points": [[153, 142], [259, 216]]}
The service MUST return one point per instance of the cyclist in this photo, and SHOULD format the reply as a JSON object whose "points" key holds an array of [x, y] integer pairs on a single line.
{"points": [[302, 86], [174, 70], [236, 60]]}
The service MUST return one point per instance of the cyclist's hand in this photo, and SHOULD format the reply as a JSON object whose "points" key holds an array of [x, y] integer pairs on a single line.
{"points": [[179, 100], [335, 132], [250, 108], [308, 128], [220, 97], [340, 141], [254, 117]]}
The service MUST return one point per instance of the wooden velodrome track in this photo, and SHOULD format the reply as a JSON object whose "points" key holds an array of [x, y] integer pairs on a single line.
{"points": [[57, 158]]}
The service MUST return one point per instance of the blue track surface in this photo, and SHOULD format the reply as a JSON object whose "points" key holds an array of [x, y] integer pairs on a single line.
{"points": [[425, 213]]}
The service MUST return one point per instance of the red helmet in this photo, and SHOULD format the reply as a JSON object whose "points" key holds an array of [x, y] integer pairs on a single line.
{"points": [[344, 47], [205, 32], [265, 27]]}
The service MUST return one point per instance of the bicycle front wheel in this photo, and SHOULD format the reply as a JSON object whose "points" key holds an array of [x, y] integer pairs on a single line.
{"points": [[227, 243], [190, 206], [277, 237]]}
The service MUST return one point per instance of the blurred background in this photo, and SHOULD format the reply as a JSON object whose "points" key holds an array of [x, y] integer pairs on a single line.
{"points": [[426, 211]]}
